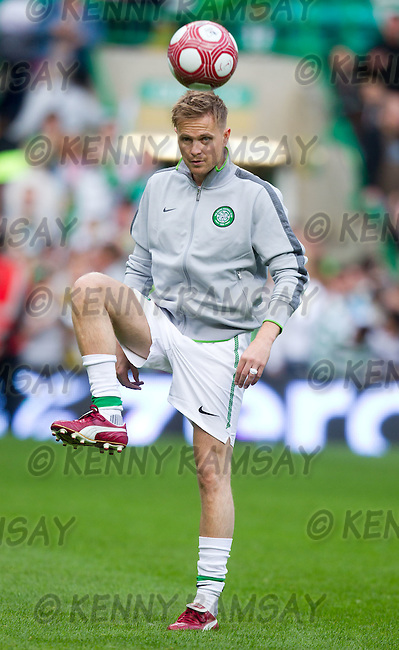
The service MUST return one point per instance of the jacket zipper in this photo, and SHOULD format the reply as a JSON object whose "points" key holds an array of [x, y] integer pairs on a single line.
{"points": [[190, 239]]}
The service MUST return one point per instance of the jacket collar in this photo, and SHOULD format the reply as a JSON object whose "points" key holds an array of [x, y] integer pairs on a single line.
{"points": [[215, 178]]}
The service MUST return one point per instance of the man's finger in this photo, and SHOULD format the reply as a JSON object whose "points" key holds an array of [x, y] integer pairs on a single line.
{"points": [[240, 367], [123, 379], [250, 381], [255, 378], [249, 378], [242, 377], [135, 373]]}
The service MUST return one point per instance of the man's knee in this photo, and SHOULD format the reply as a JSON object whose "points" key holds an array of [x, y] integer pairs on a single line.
{"points": [[89, 290], [92, 280], [213, 470]]}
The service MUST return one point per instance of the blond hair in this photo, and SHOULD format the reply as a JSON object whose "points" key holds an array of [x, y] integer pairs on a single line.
{"points": [[196, 103]]}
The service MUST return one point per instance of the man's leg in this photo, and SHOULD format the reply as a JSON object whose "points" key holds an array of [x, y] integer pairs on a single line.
{"points": [[213, 462], [103, 310]]}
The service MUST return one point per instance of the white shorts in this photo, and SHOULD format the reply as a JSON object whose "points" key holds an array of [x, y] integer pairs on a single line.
{"points": [[202, 386]]}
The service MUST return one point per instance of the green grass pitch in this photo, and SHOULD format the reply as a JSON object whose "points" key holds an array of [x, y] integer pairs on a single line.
{"points": [[116, 547]]}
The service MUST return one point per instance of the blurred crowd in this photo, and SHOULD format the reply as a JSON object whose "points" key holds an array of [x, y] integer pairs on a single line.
{"points": [[368, 89], [63, 218], [70, 214], [359, 306]]}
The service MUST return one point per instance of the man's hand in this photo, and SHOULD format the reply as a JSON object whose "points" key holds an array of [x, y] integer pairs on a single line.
{"points": [[123, 366], [256, 355]]}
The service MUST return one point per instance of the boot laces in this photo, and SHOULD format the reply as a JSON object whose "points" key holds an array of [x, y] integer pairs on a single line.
{"points": [[191, 616], [90, 414]]}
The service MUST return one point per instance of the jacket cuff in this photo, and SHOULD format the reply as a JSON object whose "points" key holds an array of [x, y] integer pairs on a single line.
{"points": [[129, 280], [278, 312], [134, 282]]}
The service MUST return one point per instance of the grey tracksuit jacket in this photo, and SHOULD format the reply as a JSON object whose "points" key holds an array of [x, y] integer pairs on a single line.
{"points": [[207, 251]]}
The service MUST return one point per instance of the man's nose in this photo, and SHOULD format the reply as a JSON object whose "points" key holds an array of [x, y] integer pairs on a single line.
{"points": [[196, 148]]}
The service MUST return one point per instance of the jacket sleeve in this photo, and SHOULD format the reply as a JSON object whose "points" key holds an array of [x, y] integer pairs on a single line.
{"points": [[138, 274], [279, 249]]}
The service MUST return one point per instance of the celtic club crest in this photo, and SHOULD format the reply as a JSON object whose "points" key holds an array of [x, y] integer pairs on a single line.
{"points": [[223, 216]]}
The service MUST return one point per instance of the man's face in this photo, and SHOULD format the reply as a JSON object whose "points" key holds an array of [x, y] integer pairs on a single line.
{"points": [[202, 142]]}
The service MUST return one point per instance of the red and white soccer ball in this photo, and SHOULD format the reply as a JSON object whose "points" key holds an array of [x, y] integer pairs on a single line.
{"points": [[202, 55]]}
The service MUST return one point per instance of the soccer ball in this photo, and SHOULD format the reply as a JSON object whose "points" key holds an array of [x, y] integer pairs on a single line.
{"points": [[202, 55]]}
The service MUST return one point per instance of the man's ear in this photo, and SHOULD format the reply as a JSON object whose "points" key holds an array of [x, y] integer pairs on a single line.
{"points": [[226, 136]]}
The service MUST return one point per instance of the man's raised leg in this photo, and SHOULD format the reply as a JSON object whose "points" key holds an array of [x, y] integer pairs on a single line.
{"points": [[104, 311]]}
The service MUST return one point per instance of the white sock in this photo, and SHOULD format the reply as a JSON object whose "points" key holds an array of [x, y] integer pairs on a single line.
{"points": [[104, 383], [212, 568]]}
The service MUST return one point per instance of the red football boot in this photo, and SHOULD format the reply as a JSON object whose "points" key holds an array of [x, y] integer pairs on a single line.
{"points": [[195, 617], [91, 430]]}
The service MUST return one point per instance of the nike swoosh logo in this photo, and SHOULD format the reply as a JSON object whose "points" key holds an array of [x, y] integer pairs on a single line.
{"points": [[168, 209], [201, 410]]}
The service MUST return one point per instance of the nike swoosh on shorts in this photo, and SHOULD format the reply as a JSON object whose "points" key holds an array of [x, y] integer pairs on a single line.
{"points": [[201, 410]]}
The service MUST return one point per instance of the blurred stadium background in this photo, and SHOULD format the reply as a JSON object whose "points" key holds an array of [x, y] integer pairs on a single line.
{"points": [[329, 142], [85, 95]]}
